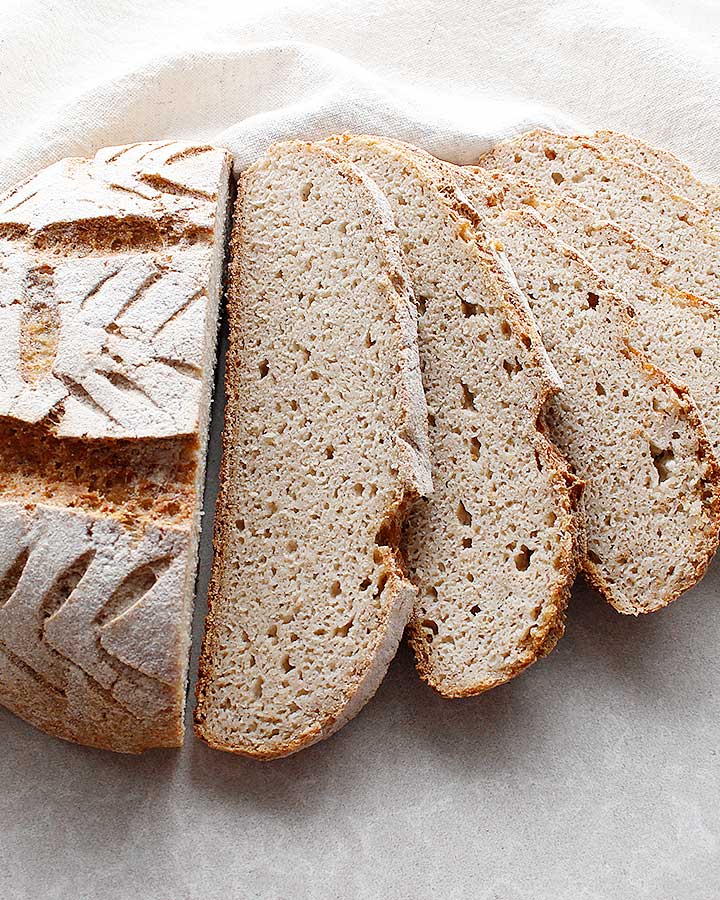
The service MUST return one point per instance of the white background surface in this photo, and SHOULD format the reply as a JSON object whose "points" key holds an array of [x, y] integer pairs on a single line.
{"points": [[594, 775]]}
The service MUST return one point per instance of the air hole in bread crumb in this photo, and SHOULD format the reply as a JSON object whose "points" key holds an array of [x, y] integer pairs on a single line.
{"points": [[593, 557], [463, 515], [287, 666], [342, 630], [698, 351], [365, 584], [263, 368], [475, 610], [329, 451], [522, 558], [662, 459], [291, 546], [467, 543], [550, 153], [369, 342], [305, 192], [468, 309], [599, 389], [505, 329], [468, 397], [335, 589], [592, 300], [474, 448], [430, 625], [512, 368], [557, 178]]}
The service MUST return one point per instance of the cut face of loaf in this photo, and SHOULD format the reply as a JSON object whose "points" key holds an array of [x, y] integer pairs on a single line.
{"points": [[492, 551], [680, 333], [325, 444], [624, 192], [105, 285], [99, 532], [652, 500], [662, 165]]}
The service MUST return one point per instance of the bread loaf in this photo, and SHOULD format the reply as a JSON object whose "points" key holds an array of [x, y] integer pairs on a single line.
{"points": [[325, 444], [110, 279]]}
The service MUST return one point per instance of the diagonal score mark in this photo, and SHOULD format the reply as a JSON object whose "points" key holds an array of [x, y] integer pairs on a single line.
{"points": [[19, 203], [179, 311], [82, 395], [89, 296], [132, 589]]}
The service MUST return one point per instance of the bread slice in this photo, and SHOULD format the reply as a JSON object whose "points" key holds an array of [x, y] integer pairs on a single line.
{"points": [[679, 332], [325, 444], [632, 434], [663, 165], [110, 278], [493, 551], [649, 208]]}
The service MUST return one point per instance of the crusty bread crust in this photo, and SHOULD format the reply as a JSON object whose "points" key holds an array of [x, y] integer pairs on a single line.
{"points": [[413, 479], [108, 300]]}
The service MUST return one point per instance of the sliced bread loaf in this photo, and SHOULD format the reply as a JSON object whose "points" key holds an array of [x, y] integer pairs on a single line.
{"points": [[110, 278], [325, 444], [493, 551], [663, 165], [652, 500], [655, 214], [680, 333]]}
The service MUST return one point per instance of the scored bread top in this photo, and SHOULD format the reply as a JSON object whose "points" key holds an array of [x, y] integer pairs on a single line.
{"points": [[620, 190], [99, 528], [632, 434], [493, 550], [105, 265], [325, 443]]}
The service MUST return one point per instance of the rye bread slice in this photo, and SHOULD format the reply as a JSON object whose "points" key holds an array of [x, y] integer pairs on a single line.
{"points": [[679, 332], [110, 281], [653, 211], [494, 551], [325, 445], [652, 501], [663, 165]]}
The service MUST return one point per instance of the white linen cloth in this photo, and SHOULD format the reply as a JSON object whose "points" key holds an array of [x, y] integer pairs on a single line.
{"points": [[451, 75]]}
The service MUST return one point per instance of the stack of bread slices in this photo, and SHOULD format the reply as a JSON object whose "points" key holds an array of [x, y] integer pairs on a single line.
{"points": [[450, 390]]}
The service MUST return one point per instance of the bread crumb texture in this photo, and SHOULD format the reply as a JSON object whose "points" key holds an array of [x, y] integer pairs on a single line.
{"points": [[325, 445]]}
